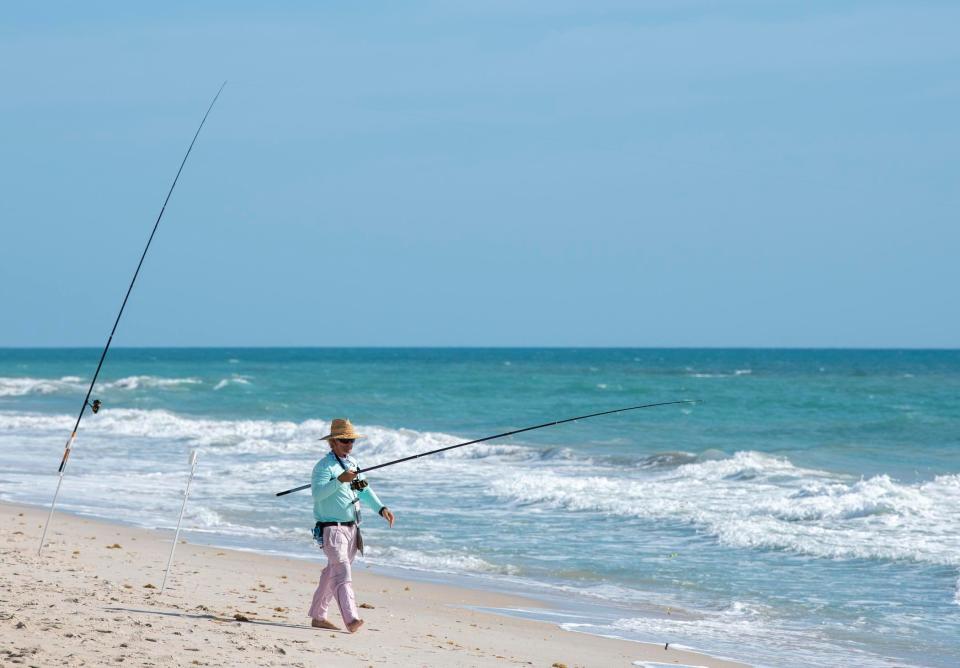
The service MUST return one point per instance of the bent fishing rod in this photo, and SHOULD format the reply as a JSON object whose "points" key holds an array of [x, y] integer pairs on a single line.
{"points": [[95, 404], [504, 434]]}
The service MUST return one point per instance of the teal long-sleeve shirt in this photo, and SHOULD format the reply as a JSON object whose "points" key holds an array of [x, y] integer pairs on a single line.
{"points": [[332, 499]]}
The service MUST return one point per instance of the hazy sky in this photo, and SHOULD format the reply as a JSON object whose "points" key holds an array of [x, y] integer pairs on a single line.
{"points": [[662, 173]]}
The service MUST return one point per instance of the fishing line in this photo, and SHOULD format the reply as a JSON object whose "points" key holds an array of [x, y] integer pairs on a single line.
{"points": [[95, 405], [506, 433]]}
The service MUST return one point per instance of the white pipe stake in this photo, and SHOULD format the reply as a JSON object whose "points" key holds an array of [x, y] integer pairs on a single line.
{"points": [[176, 536]]}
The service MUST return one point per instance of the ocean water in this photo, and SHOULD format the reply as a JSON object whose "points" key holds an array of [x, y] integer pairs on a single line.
{"points": [[807, 513]]}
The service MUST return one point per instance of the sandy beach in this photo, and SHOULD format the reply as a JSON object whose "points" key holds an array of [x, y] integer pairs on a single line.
{"points": [[93, 598]]}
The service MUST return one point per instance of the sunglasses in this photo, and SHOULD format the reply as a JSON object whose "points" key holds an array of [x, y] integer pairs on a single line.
{"points": [[346, 441]]}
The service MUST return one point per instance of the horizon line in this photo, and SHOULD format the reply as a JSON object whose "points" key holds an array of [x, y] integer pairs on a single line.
{"points": [[490, 347]]}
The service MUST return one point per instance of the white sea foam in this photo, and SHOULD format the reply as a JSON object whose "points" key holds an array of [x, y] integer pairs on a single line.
{"points": [[263, 437], [233, 380], [18, 387], [743, 629], [447, 561], [730, 630], [758, 501], [143, 382], [160, 424], [22, 386], [750, 499], [704, 374]]}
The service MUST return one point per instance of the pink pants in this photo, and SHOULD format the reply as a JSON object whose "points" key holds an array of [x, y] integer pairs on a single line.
{"points": [[336, 580]]}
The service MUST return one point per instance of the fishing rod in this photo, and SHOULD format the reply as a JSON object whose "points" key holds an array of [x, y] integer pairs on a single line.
{"points": [[506, 433], [95, 404]]}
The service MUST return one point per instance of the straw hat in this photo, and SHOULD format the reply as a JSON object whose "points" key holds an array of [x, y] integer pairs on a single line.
{"points": [[341, 428]]}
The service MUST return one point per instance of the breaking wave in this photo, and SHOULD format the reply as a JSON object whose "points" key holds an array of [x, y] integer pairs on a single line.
{"points": [[18, 387], [749, 500], [264, 437], [233, 380], [144, 382], [445, 561], [754, 500]]}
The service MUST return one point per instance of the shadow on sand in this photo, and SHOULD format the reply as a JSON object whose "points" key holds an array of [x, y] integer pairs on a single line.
{"points": [[220, 618]]}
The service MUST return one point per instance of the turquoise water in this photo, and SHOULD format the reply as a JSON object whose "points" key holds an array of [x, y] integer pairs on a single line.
{"points": [[806, 513]]}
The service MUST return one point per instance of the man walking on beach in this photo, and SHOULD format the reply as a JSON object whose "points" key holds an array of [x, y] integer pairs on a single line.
{"points": [[337, 490]]}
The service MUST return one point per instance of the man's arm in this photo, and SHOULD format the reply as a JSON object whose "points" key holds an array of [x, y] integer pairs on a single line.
{"points": [[369, 497], [323, 483]]}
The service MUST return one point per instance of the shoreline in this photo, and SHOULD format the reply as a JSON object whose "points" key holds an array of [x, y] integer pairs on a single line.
{"points": [[83, 600]]}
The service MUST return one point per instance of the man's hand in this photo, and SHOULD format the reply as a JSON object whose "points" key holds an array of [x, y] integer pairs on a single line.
{"points": [[387, 514], [348, 476]]}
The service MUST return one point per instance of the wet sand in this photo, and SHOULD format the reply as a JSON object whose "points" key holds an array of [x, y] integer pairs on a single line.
{"points": [[93, 598]]}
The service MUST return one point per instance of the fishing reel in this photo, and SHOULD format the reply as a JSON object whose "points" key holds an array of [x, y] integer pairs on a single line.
{"points": [[358, 485], [95, 406]]}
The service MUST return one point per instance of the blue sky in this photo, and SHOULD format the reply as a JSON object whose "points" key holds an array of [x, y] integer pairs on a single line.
{"points": [[662, 173]]}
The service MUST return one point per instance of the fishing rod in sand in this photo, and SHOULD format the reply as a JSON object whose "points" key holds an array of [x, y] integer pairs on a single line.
{"points": [[506, 433], [95, 404]]}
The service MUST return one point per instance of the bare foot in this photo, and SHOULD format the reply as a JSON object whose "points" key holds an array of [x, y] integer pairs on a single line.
{"points": [[355, 625], [324, 624]]}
